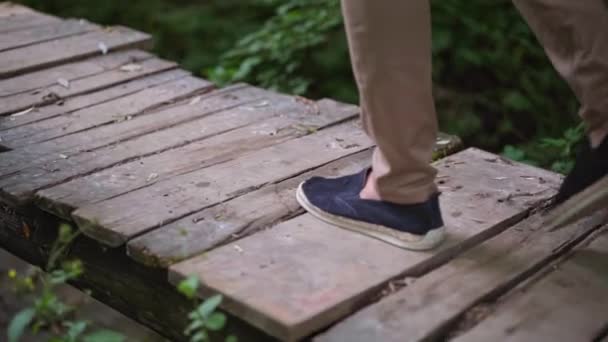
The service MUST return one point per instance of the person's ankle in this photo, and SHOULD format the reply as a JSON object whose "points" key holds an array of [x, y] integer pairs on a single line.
{"points": [[596, 137], [370, 191]]}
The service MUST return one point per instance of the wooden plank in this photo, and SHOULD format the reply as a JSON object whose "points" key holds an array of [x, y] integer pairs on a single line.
{"points": [[57, 51], [122, 108], [568, 304], [44, 33], [110, 144], [87, 100], [423, 310], [204, 230], [57, 93], [303, 274], [12, 20], [115, 221], [10, 9], [48, 77], [218, 138]]}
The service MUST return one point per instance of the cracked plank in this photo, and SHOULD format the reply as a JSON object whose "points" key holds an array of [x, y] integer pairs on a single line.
{"points": [[302, 274]]}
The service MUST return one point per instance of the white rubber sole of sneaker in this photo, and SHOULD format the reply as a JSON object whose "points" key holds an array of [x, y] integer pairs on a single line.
{"points": [[403, 240]]}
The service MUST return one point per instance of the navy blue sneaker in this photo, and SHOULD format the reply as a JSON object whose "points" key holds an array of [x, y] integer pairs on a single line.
{"points": [[337, 201]]}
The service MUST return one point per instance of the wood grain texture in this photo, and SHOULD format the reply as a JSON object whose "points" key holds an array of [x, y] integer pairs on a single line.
{"points": [[204, 230], [57, 93], [44, 33], [109, 145], [214, 139], [33, 81], [123, 108], [207, 229], [424, 309], [568, 304], [13, 18], [38, 56], [116, 220], [302, 275], [116, 128], [87, 100]]}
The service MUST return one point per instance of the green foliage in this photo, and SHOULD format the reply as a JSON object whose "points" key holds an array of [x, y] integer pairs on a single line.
{"points": [[204, 318], [494, 85], [274, 55], [48, 311], [188, 286]]}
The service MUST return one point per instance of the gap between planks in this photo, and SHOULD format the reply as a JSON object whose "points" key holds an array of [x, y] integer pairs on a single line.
{"points": [[63, 50], [27, 94], [80, 102], [566, 301], [429, 308], [303, 274], [243, 215], [40, 34], [123, 108], [211, 140], [128, 140]]}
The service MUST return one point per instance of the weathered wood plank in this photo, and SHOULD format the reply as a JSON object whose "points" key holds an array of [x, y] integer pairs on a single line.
{"points": [[57, 93], [303, 274], [233, 219], [138, 292], [44, 78], [57, 51], [116, 220], [44, 33], [568, 304], [15, 18], [87, 100], [10, 9], [425, 309], [202, 231], [123, 108], [107, 145], [229, 134]]}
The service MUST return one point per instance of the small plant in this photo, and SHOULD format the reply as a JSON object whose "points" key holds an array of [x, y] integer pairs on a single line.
{"points": [[48, 312], [203, 318]]}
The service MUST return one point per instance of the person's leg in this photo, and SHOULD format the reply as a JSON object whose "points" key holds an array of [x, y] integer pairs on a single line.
{"points": [[574, 35], [390, 48], [397, 202]]}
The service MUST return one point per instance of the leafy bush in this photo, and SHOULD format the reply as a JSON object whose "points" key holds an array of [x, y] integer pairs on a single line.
{"points": [[494, 84]]}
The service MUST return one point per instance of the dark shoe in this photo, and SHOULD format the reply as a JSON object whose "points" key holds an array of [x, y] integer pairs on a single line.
{"points": [[591, 164], [337, 201]]}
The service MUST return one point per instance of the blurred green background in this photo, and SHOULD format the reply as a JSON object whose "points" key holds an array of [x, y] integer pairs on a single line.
{"points": [[494, 85]]}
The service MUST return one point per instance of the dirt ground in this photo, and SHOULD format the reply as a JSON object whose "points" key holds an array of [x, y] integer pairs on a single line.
{"points": [[90, 309]]}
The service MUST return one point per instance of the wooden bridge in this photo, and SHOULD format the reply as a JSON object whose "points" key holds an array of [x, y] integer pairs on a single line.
{"points": [[169, 176]]}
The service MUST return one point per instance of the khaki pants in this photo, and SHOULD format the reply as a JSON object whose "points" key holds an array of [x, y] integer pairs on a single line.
{"points": [[390, 48]]}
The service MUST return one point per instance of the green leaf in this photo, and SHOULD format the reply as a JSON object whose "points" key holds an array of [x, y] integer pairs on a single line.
{"points": [[19, 323], [104, 336], [75, 329], [199, 336], [231, 338], [216, 321], [209, 305], [188, 286]]}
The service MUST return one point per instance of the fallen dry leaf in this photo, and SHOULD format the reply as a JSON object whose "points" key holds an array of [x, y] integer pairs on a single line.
{"points": [[152, 177], [131, 67], [195, 100], [63, 82], [23, 112], [102, 47]]}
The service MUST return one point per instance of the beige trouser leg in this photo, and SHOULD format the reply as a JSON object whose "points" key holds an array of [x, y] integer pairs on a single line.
{"points": [[574, 34], [390, 46]]}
